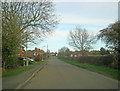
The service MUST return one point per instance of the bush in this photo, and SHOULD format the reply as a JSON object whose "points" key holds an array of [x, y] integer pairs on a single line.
{"points": [[97, 60], [106, 60], [30, 62], [38, 58], [11, 62], [20, 61]]}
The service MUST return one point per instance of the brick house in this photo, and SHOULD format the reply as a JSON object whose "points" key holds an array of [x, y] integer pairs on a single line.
{"points": [[37, 52], [79, 53], [29, 53], [21, 52]]}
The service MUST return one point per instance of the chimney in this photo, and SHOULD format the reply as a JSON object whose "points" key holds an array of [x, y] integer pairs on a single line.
{"points": [[35, 48]]}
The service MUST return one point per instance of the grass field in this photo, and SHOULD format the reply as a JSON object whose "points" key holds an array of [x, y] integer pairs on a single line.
{"points": [[12, 72], [99, 69]]}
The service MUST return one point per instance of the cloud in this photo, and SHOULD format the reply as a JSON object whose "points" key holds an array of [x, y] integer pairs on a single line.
{"points": [[58, 35], [86, 0], [84, 20]]}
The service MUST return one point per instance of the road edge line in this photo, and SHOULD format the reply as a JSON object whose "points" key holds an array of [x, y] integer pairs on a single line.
{"points": [[22, 84]]}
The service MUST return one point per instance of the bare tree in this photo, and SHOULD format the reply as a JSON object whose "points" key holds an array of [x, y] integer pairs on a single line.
{"points": [[64, 51], [35, 17], [23, 21], [80, 39]]}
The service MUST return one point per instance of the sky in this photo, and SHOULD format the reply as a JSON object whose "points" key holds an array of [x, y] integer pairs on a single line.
{"points": [[93, 16]]}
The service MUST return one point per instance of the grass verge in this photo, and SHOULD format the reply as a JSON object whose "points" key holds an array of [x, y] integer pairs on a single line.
{"points": [[39, 62], [113, 73], [12, 72]]}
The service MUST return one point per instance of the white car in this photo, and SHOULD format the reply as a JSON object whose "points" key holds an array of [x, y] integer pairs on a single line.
{"points": [[31, 60]]}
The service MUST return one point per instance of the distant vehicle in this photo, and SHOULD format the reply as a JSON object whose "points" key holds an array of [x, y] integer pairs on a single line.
{"points": [[31, 59], [26, 58]]}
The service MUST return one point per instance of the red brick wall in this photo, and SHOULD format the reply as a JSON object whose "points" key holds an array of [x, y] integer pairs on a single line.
{"points": [[21, 52]]}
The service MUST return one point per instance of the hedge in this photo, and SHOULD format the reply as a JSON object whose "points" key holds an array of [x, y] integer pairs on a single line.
{"points": [[106, 61]]}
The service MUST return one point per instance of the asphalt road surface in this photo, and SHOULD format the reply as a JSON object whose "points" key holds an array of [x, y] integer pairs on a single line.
{"points": [[59, 75]]}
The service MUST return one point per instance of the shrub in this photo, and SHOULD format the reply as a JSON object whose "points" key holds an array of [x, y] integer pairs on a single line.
{"points": [[11, 62], [97, 60], [106, 60], [30, 62], [20, 61], [38, 58]]}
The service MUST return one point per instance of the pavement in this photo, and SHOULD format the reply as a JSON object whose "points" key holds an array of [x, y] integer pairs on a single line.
{"points": [[60, 75], [16, 81]]}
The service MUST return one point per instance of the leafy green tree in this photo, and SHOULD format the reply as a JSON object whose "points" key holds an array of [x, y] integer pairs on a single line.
{"points": [[24, 22], [111, 36], [103, 51]]}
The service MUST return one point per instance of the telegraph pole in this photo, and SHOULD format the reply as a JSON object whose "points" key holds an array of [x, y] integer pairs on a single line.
{"points": [[47, 50], [42, 53], [26, 50]]}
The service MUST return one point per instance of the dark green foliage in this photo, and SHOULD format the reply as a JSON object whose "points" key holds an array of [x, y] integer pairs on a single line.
{"points": [[94, 52], [30, 62], [9, 52], [20, 61], [106, 61], [38, 58], [111, 36], [103, 51], [8, 56]]}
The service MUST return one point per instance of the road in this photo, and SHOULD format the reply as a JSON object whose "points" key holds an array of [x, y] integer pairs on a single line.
{"points": [[59, 75]]}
